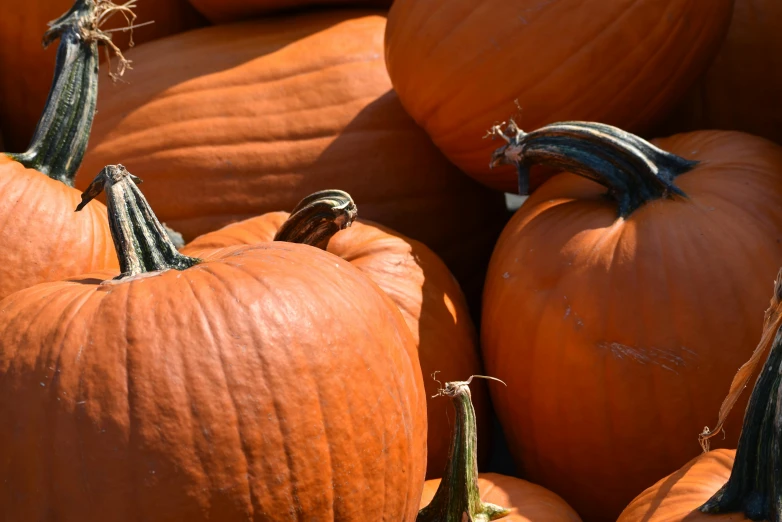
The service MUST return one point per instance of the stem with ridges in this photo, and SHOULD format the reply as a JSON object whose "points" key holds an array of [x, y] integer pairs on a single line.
{"points": [[634, 171], [317, 218], [457, 497], [141, 241]]}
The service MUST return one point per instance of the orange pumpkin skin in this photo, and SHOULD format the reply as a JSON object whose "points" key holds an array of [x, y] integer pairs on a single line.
{"points": [[741, 88], [251, 116], [271, 381], [423, 289], [528, 502], [677, 497], [42, 238], [25, 91], [608, 330], [458, 65], [226, 11]]}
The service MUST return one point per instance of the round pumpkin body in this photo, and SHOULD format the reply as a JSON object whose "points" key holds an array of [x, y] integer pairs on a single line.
{"points": [[42, 238], [459, 66], [741, 87], [225, 11], [423, 290], [528, 502], [618, 337], [267, 382], [677, 497], [25, 91], [251, 117]]}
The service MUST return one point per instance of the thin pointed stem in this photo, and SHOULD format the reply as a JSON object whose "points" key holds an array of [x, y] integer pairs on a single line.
{"points": [[317, 218]]}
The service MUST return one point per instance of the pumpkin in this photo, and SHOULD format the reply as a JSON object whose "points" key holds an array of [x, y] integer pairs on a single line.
{"points": [[463, 494], [251, 116], [738, 485], [24, 92], [413, 277], [41, 237], [458, 65], [740, 89], [237, 386], [615, 317], [225, 11]]}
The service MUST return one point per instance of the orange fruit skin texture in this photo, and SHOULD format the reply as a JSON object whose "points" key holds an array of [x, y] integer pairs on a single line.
{"points": [[527, 502], [677, 497], [25, 90], [252, 117], [42, 238], [459, 65], [618, 339], [426, 294], [270, 382], [225, 11], [741, 88]]}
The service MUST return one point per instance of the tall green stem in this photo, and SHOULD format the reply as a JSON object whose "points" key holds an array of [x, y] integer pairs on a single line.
{"points": [[318, 217], [634, 171]]}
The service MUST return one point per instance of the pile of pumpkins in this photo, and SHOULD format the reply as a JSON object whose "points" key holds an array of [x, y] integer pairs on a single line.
{"points": [[242, 272]]}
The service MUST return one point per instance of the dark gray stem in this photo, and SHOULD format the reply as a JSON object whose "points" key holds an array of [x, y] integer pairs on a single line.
{"points": [[141, 241], [317, 218], [634, 171]]}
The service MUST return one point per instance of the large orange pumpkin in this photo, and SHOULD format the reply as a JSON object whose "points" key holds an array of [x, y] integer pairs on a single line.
{"points": [[618, 319], [414, 278], [24, 90], [262, 382], [41, 237], [740, 91], [460, 65], [462, 494], [225, 11], [249, 117]]}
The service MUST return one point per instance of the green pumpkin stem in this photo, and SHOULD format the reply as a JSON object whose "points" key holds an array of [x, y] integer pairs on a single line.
{"points": [[634, 171], [142, 243], [457, 498], [63, 130], [317, 218]]}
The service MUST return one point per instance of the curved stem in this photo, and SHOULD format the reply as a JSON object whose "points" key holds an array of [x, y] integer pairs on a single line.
{"points": [[317, 218], [457, 498], [634, 171], [63, 130], [142, 243], [755, 483]]}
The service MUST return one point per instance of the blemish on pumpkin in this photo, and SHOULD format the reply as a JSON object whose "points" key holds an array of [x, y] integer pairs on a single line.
{"points": [[664, 358]]}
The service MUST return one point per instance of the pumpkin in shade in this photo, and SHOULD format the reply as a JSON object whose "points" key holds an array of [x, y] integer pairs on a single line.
{"points": [[463, 494], [251, 116], [458, 64], [615, 317], [41, 237], [261, 382], [24, 92], [739, 485], [413, 277], [740, 90], [225, 11]]}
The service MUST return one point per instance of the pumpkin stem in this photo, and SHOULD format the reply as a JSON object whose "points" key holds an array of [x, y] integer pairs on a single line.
{"points": [[142, 243], [457, 498], [317, 218], [63, 130], [755, 483], [633, 170]]}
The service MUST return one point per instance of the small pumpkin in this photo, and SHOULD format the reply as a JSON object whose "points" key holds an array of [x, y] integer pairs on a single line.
{"points": [[226, 11], [614, 317], [257, 382], [738, 485], [251, 116], [415, 279], [41, 237], [458, 64], [463, 494], [25, 91]]}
